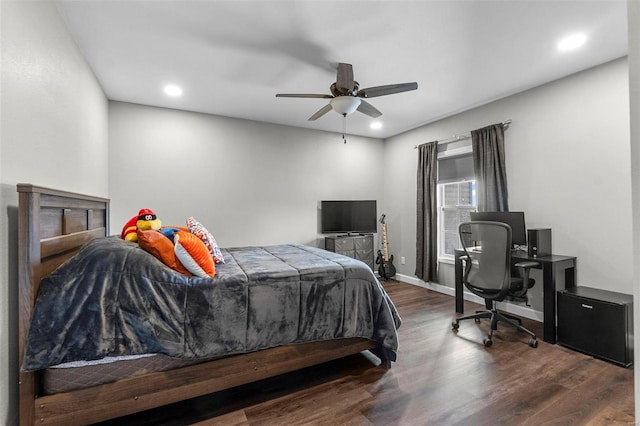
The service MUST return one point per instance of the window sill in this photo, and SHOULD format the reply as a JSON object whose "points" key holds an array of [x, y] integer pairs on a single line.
{"points": [[450, 260]]}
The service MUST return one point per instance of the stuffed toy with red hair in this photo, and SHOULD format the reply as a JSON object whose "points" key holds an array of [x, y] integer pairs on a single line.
{"points": [[176, 246], [145, 220]]}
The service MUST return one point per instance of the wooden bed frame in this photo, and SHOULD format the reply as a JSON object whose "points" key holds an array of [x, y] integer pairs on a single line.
{"points": [[52, 226]]}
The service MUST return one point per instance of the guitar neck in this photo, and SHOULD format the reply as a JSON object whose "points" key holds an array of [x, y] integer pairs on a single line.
{"points": [[385, 249]]}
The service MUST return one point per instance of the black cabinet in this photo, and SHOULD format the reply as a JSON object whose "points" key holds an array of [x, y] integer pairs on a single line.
{"points": [[356, 246], [597, 322]]}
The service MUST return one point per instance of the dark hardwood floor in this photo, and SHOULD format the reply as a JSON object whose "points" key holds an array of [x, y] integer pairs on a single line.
{"points": [[441, 378]]}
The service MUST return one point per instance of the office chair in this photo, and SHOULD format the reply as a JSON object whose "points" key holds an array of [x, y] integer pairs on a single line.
{"points": [[487, 273]]}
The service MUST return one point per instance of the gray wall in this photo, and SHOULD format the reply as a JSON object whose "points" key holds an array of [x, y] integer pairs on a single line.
{"points": [[249, 183], [567, 156], [53, 132], [633, 8]]}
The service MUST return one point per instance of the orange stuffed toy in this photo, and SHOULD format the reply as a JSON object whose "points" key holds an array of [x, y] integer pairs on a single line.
{"points": [[145, 220]]}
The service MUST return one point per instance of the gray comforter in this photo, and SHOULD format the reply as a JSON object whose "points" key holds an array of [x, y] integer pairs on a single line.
{"points": [[114, 299]]}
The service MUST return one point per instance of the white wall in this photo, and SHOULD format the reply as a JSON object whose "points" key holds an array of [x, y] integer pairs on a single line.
{"points": [[53, 132], [249, 183], [567, 156]]}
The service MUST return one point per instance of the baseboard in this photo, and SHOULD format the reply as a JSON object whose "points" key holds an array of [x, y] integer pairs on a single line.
{"points": [[522, 311]]}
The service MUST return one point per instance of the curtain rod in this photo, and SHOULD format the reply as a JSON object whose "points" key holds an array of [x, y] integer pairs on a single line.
{"points": [[464, 136]]}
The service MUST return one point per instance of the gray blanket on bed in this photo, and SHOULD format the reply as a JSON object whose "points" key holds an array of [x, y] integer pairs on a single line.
{"points": [[114, 299]]}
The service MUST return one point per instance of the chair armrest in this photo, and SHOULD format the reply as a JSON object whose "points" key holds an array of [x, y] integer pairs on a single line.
{"points": [[527, 264], [524, 268]]}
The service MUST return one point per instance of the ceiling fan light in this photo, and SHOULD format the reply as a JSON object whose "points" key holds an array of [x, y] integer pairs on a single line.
{"points": [[345, 105]]}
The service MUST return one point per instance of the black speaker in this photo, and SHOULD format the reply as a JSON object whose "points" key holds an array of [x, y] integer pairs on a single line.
{"points": [[539, 241]]}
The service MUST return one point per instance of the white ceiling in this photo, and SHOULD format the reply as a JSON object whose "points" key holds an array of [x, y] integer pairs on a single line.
{"points": [[232, 57]]}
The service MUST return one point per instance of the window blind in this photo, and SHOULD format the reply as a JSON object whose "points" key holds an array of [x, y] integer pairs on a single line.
{"points": [[456, 168]]}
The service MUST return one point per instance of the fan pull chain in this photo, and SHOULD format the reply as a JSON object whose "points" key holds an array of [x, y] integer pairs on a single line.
{"points": [[344, 128]]}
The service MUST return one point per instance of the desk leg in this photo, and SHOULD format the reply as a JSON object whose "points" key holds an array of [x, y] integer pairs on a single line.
{"points": [[549, 302], [570, 277], [459, 287], [549, 271]]}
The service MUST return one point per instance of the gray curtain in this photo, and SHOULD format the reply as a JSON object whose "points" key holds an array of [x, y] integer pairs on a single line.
{"points": [[427, 213], [490, 171]]}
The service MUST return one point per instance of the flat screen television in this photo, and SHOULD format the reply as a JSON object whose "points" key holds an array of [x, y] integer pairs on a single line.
{"points": [[349, 216], [514, 219]]}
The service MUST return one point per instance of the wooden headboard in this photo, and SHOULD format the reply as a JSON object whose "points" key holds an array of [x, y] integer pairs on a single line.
{"points": [[52, 226]]}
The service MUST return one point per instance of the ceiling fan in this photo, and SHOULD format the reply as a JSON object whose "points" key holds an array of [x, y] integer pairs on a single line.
{"points": [[347, 97]]}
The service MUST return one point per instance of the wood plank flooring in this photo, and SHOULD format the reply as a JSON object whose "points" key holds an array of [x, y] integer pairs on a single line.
{"points": [[441, 378]]}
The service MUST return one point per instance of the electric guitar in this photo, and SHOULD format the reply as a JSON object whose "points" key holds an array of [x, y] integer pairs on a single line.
{"points": [[386, 269]]}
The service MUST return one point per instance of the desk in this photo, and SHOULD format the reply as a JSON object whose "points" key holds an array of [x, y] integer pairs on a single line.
{"points": [[551, 265]]}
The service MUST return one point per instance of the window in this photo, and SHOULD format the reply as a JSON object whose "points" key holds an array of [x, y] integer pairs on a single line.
{"points": [[455, 201], [456, 197]]}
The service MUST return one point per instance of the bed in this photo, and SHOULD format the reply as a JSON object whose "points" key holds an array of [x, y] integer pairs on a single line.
{"points": [[58, 228]]}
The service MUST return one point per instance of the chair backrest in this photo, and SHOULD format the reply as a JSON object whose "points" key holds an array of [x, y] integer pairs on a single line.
{"points": [[487, 246]]}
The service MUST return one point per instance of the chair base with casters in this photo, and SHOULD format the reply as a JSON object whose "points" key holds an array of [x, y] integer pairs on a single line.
{"points": [[495, 316]]}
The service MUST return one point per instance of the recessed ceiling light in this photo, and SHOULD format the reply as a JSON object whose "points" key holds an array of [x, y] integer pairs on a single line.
{"points": [[375, 125], [172, 90], [572, 42]]}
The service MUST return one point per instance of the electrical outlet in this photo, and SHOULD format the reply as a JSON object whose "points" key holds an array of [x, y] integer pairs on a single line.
{"points": [[402, 260]]}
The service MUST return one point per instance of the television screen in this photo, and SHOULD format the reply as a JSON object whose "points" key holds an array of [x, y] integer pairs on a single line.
{"points": [[514, 219], [355, 216]]}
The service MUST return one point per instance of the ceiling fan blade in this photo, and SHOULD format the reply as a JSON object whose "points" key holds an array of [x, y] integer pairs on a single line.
{"points": [[344, 78], [302, 95], [325, 109], [368, 109], [389, 89]]}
